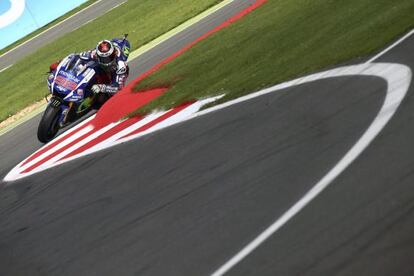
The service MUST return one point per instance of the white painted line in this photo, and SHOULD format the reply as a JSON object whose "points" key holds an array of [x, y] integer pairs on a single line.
{"points": [[111, 140], [397, 87], [91, 137], [69, 131], [106, 144], [92, 19], [398, 78], [17, 172], [181, 116], [180, 28], [87, 22], [115, 7], [54, 26], [391, 47], [4, 69], [62, 144]]}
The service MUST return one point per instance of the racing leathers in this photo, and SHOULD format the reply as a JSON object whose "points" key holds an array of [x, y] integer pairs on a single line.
{"points": [[110, 78], [113, 77]]}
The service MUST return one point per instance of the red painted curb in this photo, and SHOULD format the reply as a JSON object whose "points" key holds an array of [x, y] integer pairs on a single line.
{"points": [[121, 103]]}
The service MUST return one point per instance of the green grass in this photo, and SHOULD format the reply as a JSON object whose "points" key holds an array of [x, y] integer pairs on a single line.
{"points": [[47, 26], [144, 20], [281, 40]]}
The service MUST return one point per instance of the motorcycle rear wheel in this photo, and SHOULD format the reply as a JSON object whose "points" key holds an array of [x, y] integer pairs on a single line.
{"points": [[49, 124]]}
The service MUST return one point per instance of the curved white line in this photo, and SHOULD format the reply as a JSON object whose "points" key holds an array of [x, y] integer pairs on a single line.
{"points": [[398, 78], [16, 10]]}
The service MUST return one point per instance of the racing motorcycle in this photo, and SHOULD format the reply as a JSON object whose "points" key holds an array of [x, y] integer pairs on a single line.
{"points": [[71, 96]]}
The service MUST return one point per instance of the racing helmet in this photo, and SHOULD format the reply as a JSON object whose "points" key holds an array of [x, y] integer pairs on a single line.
{"points": [[105, 53]]}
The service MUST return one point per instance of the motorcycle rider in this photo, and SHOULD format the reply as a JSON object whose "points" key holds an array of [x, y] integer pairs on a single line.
{"points": [[111, 56]]}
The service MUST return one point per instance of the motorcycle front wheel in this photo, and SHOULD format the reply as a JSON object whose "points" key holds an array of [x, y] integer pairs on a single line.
{"points": [[49, 124]]}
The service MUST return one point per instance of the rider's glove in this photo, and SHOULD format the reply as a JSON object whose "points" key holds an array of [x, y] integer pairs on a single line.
{"points": [[98, 88]]}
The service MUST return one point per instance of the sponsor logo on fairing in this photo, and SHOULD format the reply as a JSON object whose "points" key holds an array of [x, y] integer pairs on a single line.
{"points": [[65, 83], [69, 76]]}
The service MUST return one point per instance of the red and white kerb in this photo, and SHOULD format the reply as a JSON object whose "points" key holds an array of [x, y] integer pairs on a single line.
{"points": [[89, 137]]}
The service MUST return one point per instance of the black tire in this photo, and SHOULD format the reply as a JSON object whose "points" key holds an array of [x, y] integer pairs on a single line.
{"points": [[49, 124]]}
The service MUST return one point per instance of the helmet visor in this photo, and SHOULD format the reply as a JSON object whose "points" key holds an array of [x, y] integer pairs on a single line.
{"points": [[107, 60]]}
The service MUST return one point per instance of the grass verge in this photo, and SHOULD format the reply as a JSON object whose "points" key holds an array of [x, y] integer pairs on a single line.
{"points": [[281, 40], [144, 20]]}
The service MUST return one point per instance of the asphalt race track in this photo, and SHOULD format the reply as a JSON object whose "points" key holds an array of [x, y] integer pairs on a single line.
{"points": [[51, 34], [185, 199]]}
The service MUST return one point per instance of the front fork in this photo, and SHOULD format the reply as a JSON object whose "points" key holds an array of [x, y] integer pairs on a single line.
{"points": [[65, 110]]}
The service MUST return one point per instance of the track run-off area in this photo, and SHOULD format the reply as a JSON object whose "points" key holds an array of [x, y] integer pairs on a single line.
{"points": [[309, 177]]}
